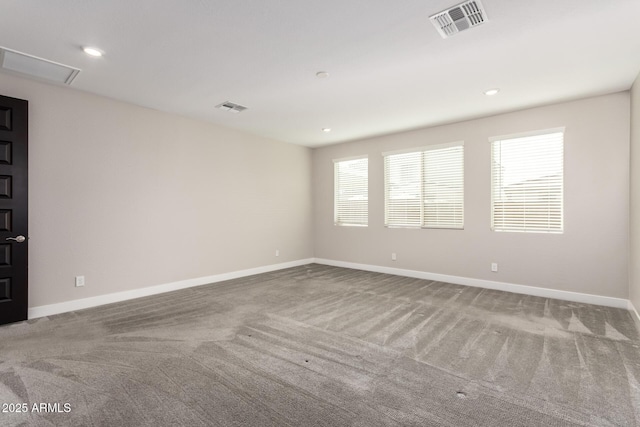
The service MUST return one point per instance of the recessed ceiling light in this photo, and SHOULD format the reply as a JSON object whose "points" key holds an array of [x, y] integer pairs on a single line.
{"points": [[326, 130], [92, 51], [491, 92], [322, 74]]}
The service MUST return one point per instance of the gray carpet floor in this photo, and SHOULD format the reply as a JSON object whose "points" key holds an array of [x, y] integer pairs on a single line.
{"points": [[325, 346]]}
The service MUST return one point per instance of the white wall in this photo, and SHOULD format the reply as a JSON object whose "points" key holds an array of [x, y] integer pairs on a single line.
{"points": [[590, 257], [131, 197], [634, 261]]}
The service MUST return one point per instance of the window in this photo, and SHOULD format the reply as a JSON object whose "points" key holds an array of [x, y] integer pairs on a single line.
{"points": [[351, 183], [527, 182], [425, 188]]}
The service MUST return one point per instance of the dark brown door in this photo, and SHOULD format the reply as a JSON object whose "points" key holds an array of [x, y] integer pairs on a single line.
{"points": [[13, 209]]}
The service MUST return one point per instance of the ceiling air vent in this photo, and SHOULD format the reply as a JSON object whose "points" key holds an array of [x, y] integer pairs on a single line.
{"points": [[231, 107], [32, 66], [459, 18]]}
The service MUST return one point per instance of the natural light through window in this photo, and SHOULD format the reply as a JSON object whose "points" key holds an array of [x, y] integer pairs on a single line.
{"points": [[425, 188], [351, 198], [527, 182]]}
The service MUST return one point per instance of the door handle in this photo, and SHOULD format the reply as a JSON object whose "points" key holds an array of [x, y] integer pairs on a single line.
{"points": [[18, 239]]}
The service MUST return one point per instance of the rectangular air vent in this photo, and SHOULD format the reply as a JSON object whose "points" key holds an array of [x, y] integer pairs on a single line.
{"points": [[459, 18], [32, 66], [231, 107]]}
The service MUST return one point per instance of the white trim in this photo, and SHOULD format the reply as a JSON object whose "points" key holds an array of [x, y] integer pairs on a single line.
{"points": [[634, 313], [346, 159], [425, 148], [527, 134], [487, 284], [80, 304]]}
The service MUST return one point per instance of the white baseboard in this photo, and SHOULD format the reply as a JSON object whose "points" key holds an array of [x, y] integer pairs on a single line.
{"points": [[488, 284], [79, 304], [634, 313]]}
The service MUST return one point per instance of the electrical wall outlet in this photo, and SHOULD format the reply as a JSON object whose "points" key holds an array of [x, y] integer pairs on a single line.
{"points": [[393, 256], [494, 267], [79, 281], [277, 252]]}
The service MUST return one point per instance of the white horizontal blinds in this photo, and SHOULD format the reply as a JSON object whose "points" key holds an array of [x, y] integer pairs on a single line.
{"points": [[351, 192], [425, 188], [403, 189], [527, 183], [443, 187]]}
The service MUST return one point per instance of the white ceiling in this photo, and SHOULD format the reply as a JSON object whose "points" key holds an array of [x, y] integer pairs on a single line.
{"points": [[389, 68]]}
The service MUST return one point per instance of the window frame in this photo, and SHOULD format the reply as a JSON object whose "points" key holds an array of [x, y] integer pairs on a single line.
{"points": [[501, 138], [422, 150], [336, 182]]}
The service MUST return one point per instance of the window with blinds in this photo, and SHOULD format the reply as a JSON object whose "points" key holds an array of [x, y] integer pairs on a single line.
{"points": [[351, 186], [425, 188], [527, 182]]}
